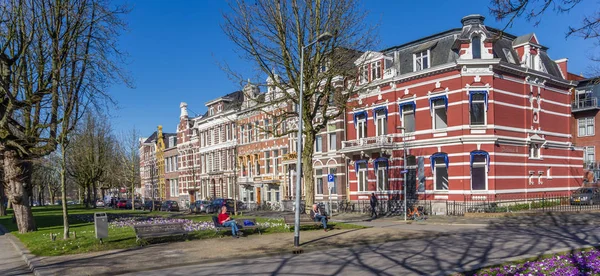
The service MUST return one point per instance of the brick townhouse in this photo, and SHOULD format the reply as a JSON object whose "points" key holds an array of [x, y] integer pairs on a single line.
{"points": [[217, 147], [259, 152], [480, 114], [171, 156], [151, 173], [188, 167]]}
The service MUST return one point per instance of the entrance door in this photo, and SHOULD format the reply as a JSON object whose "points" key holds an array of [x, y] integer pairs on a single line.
{"points": [[258, 196]]}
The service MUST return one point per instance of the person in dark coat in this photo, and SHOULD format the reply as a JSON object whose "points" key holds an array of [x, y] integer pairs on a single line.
{"points": [[373, 205]]}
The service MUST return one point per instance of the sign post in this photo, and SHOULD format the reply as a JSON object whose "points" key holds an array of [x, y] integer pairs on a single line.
{"points": [[330, 185]]}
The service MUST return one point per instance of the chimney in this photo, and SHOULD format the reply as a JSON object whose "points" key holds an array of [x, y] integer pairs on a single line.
{"points": [[184, 112], [562, 64], [472, 19]]}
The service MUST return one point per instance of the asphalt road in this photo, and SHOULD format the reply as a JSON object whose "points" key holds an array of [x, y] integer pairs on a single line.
{"points": [[441, 255]]}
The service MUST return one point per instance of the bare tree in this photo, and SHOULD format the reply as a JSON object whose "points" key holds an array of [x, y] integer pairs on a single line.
{"points": [[533, 10], [89, 154], [271, 35], [56, 57], [130, 162]]}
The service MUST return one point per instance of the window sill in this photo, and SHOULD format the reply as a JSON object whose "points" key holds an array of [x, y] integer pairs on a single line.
{"points": [[536, 158], [440, 133], [441, 191]]}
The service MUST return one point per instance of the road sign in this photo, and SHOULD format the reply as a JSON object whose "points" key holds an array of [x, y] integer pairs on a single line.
{"points": [[404, 171], [330, 178]]}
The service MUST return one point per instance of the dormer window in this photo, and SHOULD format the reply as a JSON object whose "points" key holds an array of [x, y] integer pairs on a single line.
{"points": [[509, 56], [534, 151], [364, 74], [211, 111], [376, 70], [421, 60], [476, 47], [219, 108]]}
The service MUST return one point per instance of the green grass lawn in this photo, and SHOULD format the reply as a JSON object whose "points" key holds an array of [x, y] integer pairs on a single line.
{"points": [[49, 221]]}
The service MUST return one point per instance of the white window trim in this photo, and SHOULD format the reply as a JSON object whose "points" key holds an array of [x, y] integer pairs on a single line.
{"points": [[433, 109], [435, 166], [316, 139], [485, 167], [421, 57], [376, 66], [364, 171], [360, 122], [586, 123], [386, 177], [485, 117], [532, 149], [317, 179], [381, 118], [404, 112], [331, 146]]}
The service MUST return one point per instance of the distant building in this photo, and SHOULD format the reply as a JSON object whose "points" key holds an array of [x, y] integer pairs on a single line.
{"points": [[149, 164]]}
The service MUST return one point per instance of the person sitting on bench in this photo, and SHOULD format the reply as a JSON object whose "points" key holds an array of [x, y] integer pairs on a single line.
{"points": [[316, 215], [226, 221]]}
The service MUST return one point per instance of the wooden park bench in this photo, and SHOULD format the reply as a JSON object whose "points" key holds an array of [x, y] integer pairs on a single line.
{"points": [[305, 219], [148, 231], [241, 227]]}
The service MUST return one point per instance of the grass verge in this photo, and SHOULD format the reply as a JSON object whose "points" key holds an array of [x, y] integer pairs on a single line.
{"points": [[49, 222]]}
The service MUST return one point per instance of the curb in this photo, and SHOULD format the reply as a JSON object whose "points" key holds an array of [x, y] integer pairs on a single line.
{"points": [[30, 259]]}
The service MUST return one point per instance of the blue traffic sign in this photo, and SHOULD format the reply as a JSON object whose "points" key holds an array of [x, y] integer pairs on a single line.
{"points": [[404, 171], [330, 178]]}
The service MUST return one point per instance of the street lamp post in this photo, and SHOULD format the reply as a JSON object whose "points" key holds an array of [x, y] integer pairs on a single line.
{"points": [[405, 169], [323, 37]]}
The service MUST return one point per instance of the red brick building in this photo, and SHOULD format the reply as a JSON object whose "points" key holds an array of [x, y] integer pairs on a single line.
{"points": [[479, 115]]}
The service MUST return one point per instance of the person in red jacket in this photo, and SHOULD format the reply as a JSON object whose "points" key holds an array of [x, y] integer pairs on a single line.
{"points": [[227, 221]]}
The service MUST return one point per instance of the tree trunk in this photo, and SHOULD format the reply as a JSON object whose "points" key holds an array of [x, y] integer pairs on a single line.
{"points": [[307, 170], [17, 173], [95, 193], [2, 209], [63, 190], [87, 195], [51, 196]]}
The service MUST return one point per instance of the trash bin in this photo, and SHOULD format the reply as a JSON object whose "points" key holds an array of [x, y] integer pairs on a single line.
{"points": [[101, 225]]}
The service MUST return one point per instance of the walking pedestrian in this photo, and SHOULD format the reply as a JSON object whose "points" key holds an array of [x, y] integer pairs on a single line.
{"points": [[373, 205]]}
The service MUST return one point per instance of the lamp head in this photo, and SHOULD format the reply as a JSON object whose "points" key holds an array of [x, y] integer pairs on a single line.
{"points": [[324, 37]]}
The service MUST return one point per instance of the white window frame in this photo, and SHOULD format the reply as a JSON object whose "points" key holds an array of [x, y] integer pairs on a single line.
{"points": [[318, 143], [435, 107], [485, 168], [589, 151], [319, 181], [275, 165], [381, 118], [509, 56], [420, 56], [267, 162], [331, 145], [587, 123], [362, 173], [376, 70], [364, 74], [441, 164], [535, 151], [482, 102], [382, 167], [361, 128], [404, 113]]}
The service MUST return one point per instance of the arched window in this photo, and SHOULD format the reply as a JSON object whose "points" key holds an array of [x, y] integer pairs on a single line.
{"points": [[476, 47]]}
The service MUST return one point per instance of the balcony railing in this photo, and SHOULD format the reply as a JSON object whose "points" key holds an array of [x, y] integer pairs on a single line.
{"points": [[584, 104], [368, 143]]}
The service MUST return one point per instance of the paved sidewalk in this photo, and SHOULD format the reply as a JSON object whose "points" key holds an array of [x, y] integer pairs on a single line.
{"points": [[383, 230], [175, 254], [11, 262]]}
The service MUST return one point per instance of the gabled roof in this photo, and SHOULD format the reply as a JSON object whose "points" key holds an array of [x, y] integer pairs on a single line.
{"points": [[530, 37]]}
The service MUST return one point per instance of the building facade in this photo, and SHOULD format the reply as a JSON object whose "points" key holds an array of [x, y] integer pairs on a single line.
{"points": [[217, 147], [465, 114], [171, 156], [586, 122], [151, 161]]}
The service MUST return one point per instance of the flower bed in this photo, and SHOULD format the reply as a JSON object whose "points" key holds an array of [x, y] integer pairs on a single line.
{"points": [[188, 224], [579, 263]]}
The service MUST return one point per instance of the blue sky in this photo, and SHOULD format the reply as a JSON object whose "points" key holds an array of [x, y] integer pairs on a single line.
{"points": [[175, 48]]}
